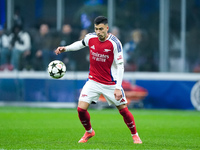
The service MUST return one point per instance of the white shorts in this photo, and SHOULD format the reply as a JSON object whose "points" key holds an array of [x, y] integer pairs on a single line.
{"points": [[92, 90]]}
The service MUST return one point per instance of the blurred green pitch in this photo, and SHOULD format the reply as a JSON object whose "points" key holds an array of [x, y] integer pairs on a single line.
{"points": [[46, 128]]}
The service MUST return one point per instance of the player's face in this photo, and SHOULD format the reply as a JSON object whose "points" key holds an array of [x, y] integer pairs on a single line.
{"points": [[101, 31]]}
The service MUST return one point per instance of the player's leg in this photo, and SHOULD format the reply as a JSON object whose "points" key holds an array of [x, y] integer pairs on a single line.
{"points": [[84, 117], [123, 109], [130, 122], [128, 117], [88, 94]]}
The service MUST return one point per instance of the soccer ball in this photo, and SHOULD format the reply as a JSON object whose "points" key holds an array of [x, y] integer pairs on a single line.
{"points": [[56, 69]]}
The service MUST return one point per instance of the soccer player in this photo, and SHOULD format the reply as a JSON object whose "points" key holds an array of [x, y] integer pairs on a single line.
{"points": [[105, 76]]}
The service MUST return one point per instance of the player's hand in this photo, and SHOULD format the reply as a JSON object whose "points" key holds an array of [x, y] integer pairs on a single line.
{"points": [[118, 94], [60, 50]]}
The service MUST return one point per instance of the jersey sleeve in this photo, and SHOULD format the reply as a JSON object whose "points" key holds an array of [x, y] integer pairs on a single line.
{"points": [[74, 46], [86, 39], [118, 52], [118, 57]]}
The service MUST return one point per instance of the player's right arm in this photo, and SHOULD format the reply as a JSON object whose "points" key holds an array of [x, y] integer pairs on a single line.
{"points": [[72, 47]]}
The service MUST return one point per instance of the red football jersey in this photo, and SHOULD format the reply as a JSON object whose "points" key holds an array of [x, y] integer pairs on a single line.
{"points": [[104, 56]]}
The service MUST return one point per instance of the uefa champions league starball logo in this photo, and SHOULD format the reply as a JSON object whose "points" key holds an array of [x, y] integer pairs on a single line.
{"points": [[195, 95]]}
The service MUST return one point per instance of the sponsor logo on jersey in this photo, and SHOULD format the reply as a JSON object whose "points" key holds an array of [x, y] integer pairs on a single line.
{"points": [[120, 57], [92, 47], [107, 50], [99, 57]]}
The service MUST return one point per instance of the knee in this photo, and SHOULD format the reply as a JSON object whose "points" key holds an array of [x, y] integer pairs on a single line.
{"points": [[123, 111], [80, 110]]}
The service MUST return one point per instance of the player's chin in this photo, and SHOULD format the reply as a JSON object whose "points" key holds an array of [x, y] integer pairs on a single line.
{"points": [[100, 37]]}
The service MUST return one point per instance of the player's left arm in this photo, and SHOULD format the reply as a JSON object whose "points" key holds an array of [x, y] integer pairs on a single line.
{"points": [[118, 56], [120, 74]]}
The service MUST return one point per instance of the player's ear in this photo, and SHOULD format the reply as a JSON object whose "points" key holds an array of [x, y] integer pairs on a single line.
{"points": [[107, 28]]}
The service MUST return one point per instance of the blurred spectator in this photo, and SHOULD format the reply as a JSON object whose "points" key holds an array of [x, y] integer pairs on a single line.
{"points": [[81, 58], [83, 33], [4, 51], [116, 32], [17, 18], [20, 45], [65, 37], [138, 54], [43, 50], [129, 50], [88, 12], [175, 62], [193, 18], [193, 49], [85, 21]]}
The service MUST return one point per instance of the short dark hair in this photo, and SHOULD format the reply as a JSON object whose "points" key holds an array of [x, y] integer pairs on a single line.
{"points": [[100, 19]]}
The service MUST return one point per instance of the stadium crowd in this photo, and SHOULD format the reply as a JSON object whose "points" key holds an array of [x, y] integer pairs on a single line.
{"points": [[28, 46], [33, 49]]}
